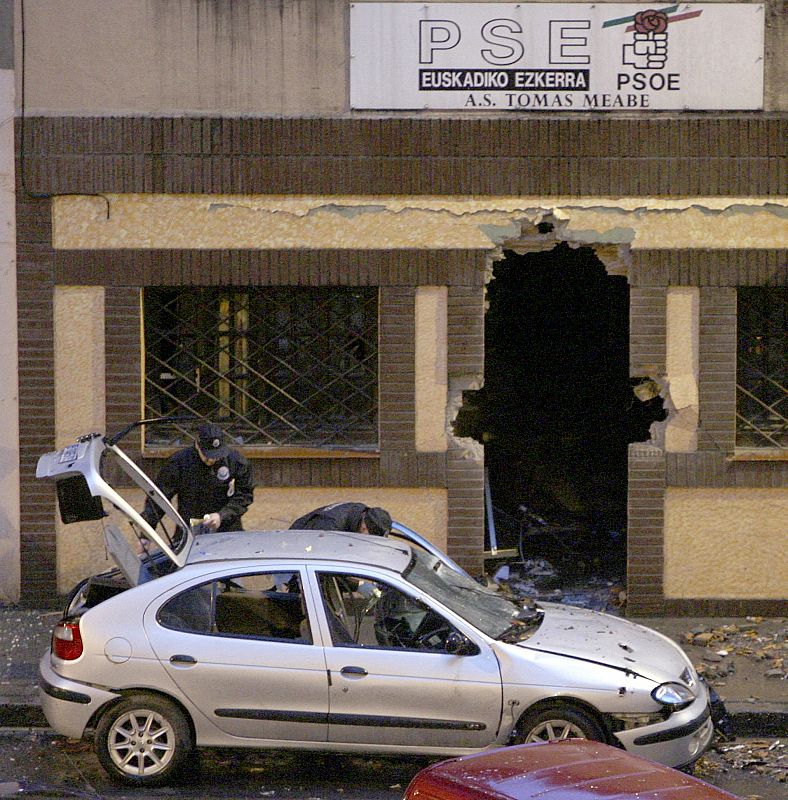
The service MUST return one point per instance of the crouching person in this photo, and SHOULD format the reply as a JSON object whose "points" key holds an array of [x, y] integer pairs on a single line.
{"points": [[351, 517]]}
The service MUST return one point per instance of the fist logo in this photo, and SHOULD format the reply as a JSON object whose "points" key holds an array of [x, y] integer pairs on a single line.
{"points": [[649, 48], [651, 21]]}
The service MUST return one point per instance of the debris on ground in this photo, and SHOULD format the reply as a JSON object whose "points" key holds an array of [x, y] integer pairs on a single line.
{"points": [[760, 756], [741, 639], [536, 579]]}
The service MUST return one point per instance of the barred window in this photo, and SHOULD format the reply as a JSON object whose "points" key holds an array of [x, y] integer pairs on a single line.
{"points": [[761, 393], [277, 367]]}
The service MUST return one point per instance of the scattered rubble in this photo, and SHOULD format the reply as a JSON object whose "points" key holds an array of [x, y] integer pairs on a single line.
{"points": [[741, 639], [760, 756], [536, 579]]}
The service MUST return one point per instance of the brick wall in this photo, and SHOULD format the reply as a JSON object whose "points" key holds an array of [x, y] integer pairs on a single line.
{"points": [[717, 373], [736, 155], [36, 398], [650, 471], [397, 273]]}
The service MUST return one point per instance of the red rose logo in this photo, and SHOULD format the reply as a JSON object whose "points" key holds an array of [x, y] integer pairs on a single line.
{"points": [[651, 21]]}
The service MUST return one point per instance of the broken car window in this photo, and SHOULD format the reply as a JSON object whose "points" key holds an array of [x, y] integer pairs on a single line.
{"points": [[262, 605], [490, 612], [370, 613]]}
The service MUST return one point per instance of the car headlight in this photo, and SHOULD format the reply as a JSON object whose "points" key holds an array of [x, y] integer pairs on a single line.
{"points": [[674, 696]]}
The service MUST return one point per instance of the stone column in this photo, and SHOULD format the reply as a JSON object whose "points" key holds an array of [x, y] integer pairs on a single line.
{"points": [[431, 368], [682, 315], [80, 402]]}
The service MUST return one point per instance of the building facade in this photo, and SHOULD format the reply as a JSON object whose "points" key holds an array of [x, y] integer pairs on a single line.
{"points": [[191, 182]]}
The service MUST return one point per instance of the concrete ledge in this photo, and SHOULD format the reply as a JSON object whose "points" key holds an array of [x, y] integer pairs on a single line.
{"points": [[767, 720]]}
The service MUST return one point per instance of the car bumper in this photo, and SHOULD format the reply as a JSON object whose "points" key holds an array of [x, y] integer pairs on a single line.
{"points": [[677, 742], [68, 705]]}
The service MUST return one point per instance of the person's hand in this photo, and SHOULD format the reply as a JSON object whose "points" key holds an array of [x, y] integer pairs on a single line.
{"points": [[212, 521]]}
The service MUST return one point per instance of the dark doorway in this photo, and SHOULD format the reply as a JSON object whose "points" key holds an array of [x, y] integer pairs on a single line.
{"points": [[557, 408]]}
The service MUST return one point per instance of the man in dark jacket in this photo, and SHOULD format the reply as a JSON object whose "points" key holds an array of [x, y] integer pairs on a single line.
{"points": [[213, 483], [354, 517]]}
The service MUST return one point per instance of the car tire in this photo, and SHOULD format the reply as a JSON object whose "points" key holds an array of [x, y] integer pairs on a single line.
{"points": [[144, 740], [551, 723]]}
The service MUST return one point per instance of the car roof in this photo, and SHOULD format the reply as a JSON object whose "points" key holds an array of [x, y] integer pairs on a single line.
{"points": [[355, 548], [574, 769]]}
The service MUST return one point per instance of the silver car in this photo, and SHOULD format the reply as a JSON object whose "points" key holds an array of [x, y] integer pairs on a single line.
{"points": [[332, 641]]}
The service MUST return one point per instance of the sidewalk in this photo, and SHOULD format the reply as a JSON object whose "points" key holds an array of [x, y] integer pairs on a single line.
{"points": [[745, 660]]}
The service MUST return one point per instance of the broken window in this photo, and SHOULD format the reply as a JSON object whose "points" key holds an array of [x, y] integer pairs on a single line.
{"points": [[368, 613], [761, 382], [262, 605], [277, 367]]}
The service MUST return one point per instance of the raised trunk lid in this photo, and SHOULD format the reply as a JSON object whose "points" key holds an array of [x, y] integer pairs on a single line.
{"points": [[79, 470]]}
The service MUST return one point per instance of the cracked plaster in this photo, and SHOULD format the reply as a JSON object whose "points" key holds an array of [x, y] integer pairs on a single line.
{"points": [[263, 222]]}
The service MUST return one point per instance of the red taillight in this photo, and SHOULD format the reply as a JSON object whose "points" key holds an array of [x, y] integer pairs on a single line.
{"points": [[67, 641]]}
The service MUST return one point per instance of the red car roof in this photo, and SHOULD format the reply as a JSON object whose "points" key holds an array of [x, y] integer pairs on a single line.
{"points": [[575, 769]]}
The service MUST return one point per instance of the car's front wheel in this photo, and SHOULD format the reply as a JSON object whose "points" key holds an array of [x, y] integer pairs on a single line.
{"points": [[558, 722], [144, 740]]}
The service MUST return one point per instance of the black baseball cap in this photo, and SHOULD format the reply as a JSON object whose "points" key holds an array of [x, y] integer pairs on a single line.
{"points": [[211, 440], [378, 521]]}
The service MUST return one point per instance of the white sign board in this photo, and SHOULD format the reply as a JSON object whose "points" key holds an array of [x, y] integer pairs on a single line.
{"points": [[556, 57]]}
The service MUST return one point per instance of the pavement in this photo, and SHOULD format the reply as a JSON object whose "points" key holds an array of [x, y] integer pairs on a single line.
{"points": [[744, 659]]}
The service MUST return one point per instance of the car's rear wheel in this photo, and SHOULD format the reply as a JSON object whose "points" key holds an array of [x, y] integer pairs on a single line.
{"points": [[551, 723], [144, 740]]}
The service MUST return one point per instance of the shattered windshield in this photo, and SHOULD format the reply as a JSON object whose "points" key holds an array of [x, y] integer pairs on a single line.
{"points": [[490, 612]]}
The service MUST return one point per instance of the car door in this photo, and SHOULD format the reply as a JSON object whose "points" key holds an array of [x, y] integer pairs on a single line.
{"points": [[240, 648], [391, 680]]}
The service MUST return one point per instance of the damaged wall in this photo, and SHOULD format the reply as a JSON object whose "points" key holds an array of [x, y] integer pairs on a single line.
{"points": [[223, 221], [217, 222], [218, 146], [679, 432]]}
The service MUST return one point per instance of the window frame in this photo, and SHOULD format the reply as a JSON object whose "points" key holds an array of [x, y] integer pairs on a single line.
{"points": [[323, 572], [770, 451], [360, 450], [212, 583]]}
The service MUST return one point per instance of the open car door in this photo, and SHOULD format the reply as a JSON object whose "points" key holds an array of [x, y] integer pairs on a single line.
{"points": [[78, 471]]}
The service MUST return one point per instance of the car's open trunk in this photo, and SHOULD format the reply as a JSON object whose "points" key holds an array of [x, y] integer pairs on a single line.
{"points": [[81, 472]]}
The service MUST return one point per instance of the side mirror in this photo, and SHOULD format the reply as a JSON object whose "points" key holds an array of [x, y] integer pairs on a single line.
{"points": [[459, 645]]}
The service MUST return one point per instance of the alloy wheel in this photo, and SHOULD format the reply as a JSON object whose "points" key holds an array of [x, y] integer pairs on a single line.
{"points": [[141, 742]]}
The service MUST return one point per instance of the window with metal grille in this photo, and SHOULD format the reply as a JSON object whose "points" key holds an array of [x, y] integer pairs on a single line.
{"points": [[276, 367], [761, 393]]}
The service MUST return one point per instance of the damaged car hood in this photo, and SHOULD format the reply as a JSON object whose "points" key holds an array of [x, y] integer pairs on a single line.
{"points": [[604, 639]]}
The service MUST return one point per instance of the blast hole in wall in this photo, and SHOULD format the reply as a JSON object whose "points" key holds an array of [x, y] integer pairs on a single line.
{"points": [[557, 409]]}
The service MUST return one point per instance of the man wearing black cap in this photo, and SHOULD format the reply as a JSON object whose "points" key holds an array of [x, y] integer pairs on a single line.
{"points": [[213, 483], [354, 517]]}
